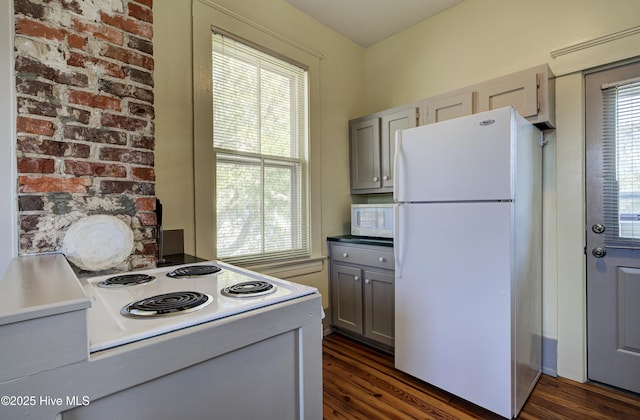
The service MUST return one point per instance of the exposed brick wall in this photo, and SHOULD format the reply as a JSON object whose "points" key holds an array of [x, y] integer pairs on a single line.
{"points": [[85, 130]]}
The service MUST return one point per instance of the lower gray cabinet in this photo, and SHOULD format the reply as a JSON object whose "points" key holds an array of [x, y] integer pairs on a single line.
{"points": [[362, 291]]}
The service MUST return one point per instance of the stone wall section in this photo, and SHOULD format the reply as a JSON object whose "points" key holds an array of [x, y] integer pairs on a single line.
{"points": [[85, 123]]}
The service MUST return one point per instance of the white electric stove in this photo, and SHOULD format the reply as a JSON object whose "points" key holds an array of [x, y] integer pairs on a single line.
{"points": [[132, 306]]}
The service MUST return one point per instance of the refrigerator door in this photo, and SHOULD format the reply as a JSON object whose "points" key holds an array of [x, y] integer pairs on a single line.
{"points": [[453, 299], [463, 159]]}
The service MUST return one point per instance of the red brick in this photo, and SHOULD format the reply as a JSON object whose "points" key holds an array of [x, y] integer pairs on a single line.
{"points": [[123, 155], [133, 26], [146, 142], [30, 203], [34, 126], [95, 135], [146, 203], [148, 3], [32, 87], [104, 32], [94, 101], [37, 29], [47, 147], [77, 41], [147, 219], [35, 166], [112, 69], [98, 169], [121, 121], [28, 8], [140, 13], [39, 184], [127, 187], [40, 108], [127, 56], [143, 174]]}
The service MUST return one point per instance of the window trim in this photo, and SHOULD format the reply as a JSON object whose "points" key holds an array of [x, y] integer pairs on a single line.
{"points": [[206, 15]]}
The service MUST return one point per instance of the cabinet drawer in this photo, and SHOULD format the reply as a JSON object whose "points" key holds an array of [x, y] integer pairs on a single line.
{"points": [[370, 256]]}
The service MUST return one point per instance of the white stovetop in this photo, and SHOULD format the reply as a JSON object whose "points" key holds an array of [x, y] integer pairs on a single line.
{"points": [[107, 328]]}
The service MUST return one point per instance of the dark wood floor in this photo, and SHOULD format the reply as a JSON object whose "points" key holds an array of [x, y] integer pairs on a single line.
{"points": [[361, 383]]}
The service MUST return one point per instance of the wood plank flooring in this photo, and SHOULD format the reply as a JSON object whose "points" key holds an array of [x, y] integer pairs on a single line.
{"points": [[361, 383]]}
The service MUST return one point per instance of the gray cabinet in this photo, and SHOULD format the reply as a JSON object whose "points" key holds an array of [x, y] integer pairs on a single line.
{"points": [[362, 291], [531, 92], [371, 148], [364, 147], [445, 107]]}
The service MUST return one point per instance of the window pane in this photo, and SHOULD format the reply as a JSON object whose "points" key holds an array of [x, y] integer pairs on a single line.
{"points": [[277, 208], [621, 159], [276, 114], [235, 104], [628, 145], [239, 209]]}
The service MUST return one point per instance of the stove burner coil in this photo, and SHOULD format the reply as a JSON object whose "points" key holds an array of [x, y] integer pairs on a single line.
{"points": [[194, 270], [125, 280], [249, 289], [175, 303]]}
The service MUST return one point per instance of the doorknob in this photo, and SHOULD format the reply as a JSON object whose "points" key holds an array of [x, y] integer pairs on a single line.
{"points": [[599, 252], [598, 228]]}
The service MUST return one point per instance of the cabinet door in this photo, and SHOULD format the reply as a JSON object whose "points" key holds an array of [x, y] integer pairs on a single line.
{"points": [[379, 306], [519, 90], [446, 107], [346, 298], [364, 138], [390, 124]]}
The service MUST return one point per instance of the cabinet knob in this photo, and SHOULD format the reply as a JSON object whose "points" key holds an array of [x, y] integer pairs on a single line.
{"points": [[386, 177], [356, 278], [345, 255], [375, 179], [381, 259], [367, 281]]}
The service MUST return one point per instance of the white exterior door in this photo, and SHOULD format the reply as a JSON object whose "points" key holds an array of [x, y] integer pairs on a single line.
{"points": [[613, 226]]}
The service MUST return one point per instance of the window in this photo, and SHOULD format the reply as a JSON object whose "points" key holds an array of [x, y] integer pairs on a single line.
{"points": [[260, 148], [621, 162]]}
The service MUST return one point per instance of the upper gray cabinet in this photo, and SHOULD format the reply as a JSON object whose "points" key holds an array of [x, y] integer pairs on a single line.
{"points": [[372, 145], [364, 148], [372, 138], [445, 107], [531, 92]]}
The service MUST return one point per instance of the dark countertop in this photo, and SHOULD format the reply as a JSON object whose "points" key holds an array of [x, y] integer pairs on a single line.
{"points": [[179, 259], [363, 240]]}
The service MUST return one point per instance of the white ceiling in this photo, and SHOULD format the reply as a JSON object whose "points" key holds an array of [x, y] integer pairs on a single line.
{"points": [[369, 21]]}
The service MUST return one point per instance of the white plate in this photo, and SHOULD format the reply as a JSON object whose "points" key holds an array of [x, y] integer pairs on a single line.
{"points": [[98, 242]]}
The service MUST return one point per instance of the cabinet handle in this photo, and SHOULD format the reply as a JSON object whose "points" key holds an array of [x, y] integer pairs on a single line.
{"points": [[381, 259], [345, 255], [356, 278], [375, 179], [367, 281], [386, 177]]}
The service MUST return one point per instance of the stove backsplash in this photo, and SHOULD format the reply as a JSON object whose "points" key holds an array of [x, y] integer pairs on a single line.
{"points": [[85, 123]]}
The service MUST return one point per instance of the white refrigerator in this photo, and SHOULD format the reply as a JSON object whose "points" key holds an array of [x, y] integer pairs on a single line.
{"points": [[468, 257]]}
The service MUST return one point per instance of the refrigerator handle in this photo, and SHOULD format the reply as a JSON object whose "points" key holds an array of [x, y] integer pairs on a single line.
{"points": [[396, 166], [397, 255]]}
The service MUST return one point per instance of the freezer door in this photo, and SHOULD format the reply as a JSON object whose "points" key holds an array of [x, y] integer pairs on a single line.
{"points": [[468, 158], [453, 299]]}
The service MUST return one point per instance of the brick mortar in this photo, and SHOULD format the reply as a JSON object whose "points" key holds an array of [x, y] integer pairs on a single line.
{"points": [[84, 89]]}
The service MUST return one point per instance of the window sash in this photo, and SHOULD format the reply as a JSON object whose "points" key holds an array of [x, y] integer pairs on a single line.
{"points": [[273, 222]]}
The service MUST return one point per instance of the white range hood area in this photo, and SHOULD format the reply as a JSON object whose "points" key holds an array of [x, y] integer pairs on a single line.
{"points": [[263, 361]]}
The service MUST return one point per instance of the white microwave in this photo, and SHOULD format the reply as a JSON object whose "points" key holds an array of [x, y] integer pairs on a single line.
{"points": [[372, 220]]}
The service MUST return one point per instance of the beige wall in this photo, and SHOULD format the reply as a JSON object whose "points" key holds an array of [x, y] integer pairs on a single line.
{"points": [[483, 39]]}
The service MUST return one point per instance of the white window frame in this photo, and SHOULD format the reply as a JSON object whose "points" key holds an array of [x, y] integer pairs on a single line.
{"points": [[207, 15]]}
